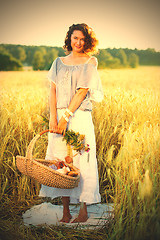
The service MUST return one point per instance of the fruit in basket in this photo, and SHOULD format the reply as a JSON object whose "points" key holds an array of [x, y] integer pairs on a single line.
{"points": [[64, 170], [53, 166], [73, 174], [68, 159], [60, 164]]}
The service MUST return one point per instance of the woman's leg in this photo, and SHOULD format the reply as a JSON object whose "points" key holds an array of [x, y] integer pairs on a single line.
{"points": [[66, 212], [83, 215]]}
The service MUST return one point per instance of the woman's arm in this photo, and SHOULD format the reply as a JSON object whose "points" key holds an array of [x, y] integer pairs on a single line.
{"points": [[53, 125], [74, 104], [77, 99]]}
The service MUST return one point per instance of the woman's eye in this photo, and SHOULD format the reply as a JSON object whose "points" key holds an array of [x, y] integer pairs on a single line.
{"points": [[76, 38]]}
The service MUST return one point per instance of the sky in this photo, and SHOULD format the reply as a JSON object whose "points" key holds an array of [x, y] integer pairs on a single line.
{"points": [[116, 23]]}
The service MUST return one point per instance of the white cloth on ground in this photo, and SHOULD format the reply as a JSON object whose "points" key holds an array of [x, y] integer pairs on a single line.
{"points": [[50, 214]]}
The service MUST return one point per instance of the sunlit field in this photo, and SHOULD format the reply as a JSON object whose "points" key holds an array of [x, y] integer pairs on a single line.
{"points": [[127, 128]]}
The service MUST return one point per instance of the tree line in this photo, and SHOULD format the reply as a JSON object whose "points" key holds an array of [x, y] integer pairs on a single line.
{"points": [[14, 57]]}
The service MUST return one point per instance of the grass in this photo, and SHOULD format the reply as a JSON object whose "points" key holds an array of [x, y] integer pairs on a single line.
{"points": [[127, 129]]}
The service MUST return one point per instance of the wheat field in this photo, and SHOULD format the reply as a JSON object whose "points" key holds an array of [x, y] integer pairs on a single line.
{"points": [[127, 129]]}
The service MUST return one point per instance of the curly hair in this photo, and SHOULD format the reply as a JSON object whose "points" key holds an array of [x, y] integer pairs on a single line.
{"points": [[90, 42]]}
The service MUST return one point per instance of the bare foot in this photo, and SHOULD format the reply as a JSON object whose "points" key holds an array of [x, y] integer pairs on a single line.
{"points": [[80, 218], [66, 219]]}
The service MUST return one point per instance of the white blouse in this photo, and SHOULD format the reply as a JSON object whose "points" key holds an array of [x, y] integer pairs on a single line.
{"points": [[69, 78]]}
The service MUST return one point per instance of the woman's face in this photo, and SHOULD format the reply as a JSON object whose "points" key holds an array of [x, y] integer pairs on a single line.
{"points": [[77, 41]]}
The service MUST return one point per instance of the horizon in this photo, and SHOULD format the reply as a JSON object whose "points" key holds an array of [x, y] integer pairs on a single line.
{"points": [[29, 45]]}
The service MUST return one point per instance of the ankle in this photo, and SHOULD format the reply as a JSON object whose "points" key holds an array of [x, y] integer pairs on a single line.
{"points": [[66, 212], [83, 207]]}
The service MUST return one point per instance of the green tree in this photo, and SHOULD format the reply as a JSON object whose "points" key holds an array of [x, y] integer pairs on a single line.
{"points": [[50, 56], [42, 49], [3, 50], [114, 63], [103, 58], [8, 63], [106, 60], [122, 56], [61, 51], [17, 52], [133, 60], [21, 54], [38, 61]]}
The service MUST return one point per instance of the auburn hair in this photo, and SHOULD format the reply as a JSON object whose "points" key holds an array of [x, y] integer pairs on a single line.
{"points": [[90, 41]]}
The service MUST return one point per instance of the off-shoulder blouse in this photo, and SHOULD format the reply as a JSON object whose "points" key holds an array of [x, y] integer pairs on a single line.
{"points": [[69, 78]]}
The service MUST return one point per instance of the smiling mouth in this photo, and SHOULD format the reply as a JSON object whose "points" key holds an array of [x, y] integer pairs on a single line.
{"points": [[78, 46]]}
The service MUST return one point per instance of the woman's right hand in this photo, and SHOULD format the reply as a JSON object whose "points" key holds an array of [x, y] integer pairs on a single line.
{"points": [[53, 125]]}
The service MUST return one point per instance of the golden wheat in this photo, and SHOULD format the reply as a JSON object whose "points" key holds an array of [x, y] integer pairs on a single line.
{"points": [[127, 128]]}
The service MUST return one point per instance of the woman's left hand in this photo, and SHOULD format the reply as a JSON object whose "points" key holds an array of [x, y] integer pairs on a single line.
{"points": [[62, 125]]}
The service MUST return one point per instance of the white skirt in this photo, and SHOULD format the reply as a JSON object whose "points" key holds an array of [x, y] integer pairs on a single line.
{"points": [[88, 187]]}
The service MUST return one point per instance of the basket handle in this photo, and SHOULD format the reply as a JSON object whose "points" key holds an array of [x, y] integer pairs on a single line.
{"points": [[32, 143]]}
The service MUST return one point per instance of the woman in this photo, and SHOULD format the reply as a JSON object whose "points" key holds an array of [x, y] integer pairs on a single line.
{"points": [[74, 84]]}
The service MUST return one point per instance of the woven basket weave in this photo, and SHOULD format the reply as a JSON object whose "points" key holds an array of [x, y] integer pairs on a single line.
{"points": [[39, 169]]}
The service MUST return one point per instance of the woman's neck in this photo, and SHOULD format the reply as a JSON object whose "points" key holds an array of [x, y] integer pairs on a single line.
{"points": [[75, 54]]}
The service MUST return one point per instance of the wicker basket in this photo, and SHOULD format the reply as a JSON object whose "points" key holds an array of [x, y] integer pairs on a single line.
{"points": [[39, 169]]}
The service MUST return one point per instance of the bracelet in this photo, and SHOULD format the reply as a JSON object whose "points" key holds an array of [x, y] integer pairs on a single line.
{"points": [[65, 117], [70, 113]]}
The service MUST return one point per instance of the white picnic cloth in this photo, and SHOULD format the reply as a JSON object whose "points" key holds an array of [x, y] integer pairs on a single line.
{"points": [[50, 214]]}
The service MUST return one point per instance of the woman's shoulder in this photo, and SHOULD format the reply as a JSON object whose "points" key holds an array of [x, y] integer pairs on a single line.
{"points": [[58, 61], [93, 60], [61, 58]]}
